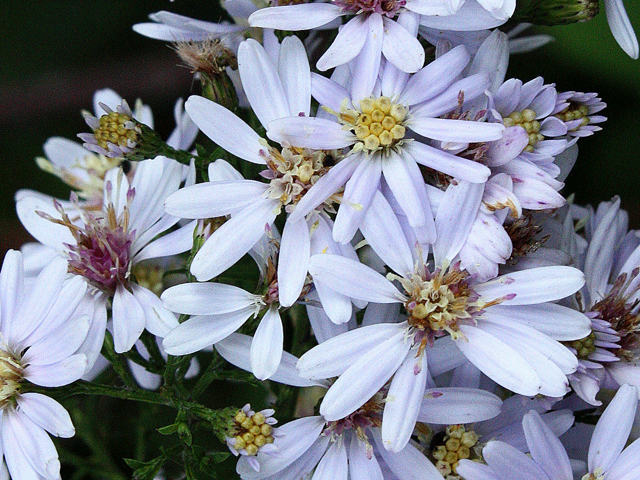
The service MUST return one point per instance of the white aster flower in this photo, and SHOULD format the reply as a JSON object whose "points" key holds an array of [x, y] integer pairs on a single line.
{"points": [[534, 134], [610, 258], [372, 32], [372, 122], [292, 171], [504, 326], [353, 443], [218, 310], [40, 333], [527, 150], [80, 168], [104, 245], [369, 35], [549, 460]]}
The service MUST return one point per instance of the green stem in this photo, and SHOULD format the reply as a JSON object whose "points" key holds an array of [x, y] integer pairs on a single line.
{"points": [[152, 347], [209, 375], [117, 361], [87, 388], [180, 156]]}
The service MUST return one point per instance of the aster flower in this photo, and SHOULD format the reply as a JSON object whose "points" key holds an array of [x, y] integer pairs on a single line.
{"points": [[489, 322], [329, 446], [533, 136], [292, 171], [526, 110], [41, 333], [608, 355], [373, 126], [367, 36], [577, 109], [448, 445], [219, 310], [549, 460], [104, 245], [252, 432], [81, 168], [372, 32]]}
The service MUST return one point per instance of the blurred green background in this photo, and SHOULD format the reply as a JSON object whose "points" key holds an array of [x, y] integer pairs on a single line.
{"points": [[55, 54]]}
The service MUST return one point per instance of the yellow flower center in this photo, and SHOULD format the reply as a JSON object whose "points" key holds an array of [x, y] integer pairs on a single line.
{"points": [[527, 120], [378, 125], [584, 346], [118, 129], [575, 111], [439, 301], [456, 444], [11, 374], [250, 433], [294, 171]]}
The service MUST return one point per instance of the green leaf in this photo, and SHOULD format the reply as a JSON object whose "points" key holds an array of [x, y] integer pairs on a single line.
{"points": [[214, 457], [185, 434], [145, 470], [169, 429]]}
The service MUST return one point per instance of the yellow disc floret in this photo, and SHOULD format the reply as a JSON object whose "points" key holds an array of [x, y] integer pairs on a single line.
{"points": [[293, 171], [575, 111], [378, 125], [584, 346], [527, 120], [438, 302], [249, 431], [118, 129], [458, 443]]}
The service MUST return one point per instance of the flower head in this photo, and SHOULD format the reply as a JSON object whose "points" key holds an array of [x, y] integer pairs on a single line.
{"points": [[252, 432], [38, 345], [115, 134]]}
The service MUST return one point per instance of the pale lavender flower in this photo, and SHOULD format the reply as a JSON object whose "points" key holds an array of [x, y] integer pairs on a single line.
{"points": [[502, 326], [577, 109], [610, 259], [366, 37], [81, 168], [40, 334], [608, 459], [374, 123], [372, 32], [292, 171], [104, 245], [353, 443]]}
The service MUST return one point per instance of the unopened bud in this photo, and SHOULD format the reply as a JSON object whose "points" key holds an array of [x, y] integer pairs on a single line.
{"points": [[558, 12], [209, 60]]}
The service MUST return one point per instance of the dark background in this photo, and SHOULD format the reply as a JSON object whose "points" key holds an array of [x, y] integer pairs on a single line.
{"points": [[55, 54]]}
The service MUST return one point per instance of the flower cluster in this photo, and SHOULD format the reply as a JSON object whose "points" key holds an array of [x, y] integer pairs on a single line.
{"points": [[421, 298]]}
